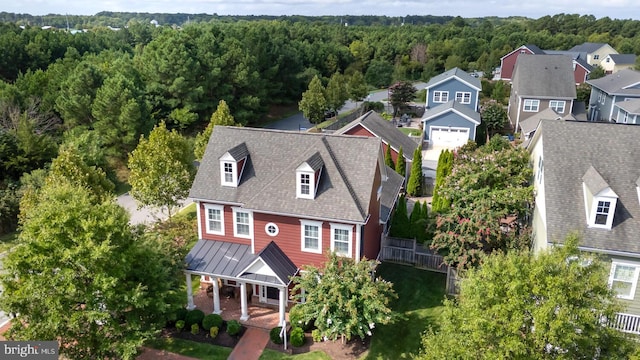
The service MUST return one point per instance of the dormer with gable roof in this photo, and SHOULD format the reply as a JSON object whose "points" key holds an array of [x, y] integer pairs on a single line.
{"points": [[308, 176], [599, 199], [232, 165]]}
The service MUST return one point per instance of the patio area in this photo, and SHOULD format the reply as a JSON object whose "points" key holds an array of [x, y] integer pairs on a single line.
{"points": [[265, 317]]}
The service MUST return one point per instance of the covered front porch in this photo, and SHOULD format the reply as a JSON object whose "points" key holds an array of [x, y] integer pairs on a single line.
{"points": [[262, 278]]}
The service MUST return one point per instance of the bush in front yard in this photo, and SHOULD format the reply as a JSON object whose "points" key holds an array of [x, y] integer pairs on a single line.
{"points": [[211, 320], [180, 325], [233, 327], [213, 332], [195, 329], [316, 335], [194, 317], [295, 317], [181, 313], [274, 334], [297, 337]]}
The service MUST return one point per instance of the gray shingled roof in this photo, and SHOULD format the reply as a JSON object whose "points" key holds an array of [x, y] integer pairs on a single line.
{"points": [[569, 150], [229, 260], [452, 105], [535, 49], [457, 73], [615, 84], [630, 106], [269, 179], [385, 130], [315, 161], [587, 47], [594, 181], [623, 58], [390, 190], [544, 77], [239, 152], [531, 123]]}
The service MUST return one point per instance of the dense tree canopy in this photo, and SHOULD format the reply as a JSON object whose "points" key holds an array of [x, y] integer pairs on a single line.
{"points": [[552, 305]]}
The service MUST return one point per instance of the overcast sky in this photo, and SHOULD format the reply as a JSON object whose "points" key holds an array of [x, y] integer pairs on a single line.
{"points": [[621, 9]]}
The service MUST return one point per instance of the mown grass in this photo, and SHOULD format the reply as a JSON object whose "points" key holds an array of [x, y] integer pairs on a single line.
{"points": [[269, 354], [419, 305], [190, 348]]}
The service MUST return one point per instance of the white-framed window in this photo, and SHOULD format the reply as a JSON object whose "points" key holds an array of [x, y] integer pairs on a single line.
{"points": [[603, 99], [624, 278], [271, 229], [229, 173], [440, 96], [341, 236], [463, 97], [311, 236], [603, 209], [531, 105], [305, 184], [215, 219], [596, 57], [540, 169], [557, 105], [242, 223]]}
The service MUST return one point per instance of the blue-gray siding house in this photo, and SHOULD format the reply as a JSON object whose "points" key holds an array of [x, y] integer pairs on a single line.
{"points": [[609, 90], [454, 84], [450, 125]]}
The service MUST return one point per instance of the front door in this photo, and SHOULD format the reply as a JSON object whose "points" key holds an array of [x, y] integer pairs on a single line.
{"points": [[269, 295]]}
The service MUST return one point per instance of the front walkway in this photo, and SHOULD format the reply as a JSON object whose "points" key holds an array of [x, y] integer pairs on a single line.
{"points": [[251, 344]]}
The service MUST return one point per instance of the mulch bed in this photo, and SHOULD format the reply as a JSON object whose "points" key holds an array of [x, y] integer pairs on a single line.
{"points": [[223, 339], [353, 349]]}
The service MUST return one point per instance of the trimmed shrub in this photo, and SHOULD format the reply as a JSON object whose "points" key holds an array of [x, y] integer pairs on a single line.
{"points": [[211, 320], [195, 329], [295, 317], [274, 334], [233, 327], [194, 317], [316, 336], [213, 332], [180, 325], [181, 313], [297, 337]]}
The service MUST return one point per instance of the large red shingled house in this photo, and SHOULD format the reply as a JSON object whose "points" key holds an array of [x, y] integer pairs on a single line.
{"points": [[269, 202]]}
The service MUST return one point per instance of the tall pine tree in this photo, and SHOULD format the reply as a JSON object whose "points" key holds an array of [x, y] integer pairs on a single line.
{"points": [[401, 166], [388, 160], [440, 203], [414, 187], [400, 226]]}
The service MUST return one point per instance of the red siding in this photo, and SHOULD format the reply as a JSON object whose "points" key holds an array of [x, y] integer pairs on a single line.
{"points": [[372, 228], [228, 227], [359, 130], [509, 62], [579, 74]]}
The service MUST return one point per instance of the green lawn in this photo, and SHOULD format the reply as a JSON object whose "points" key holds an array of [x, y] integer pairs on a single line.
{"points": [[269, 354], [419, 303], [410, 131], [191, 348]]}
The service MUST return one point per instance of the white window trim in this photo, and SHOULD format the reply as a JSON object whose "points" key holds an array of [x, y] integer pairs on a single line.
{"points": [[234, 173], [540, 169], [349, 228], [206, 212], [594, 209], [235, 223], [302, 244], [266, 229], [462, 95], [440, 95], [532, 101], [312, 185], [635, 277], [558, 102]]}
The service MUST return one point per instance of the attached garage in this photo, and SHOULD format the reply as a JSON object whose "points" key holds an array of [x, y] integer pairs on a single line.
{"points": [[450, 125], [448, 136]]}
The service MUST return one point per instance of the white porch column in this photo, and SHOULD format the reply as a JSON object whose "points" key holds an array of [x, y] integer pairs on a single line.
{"points": [[283, 303], [216, 297], [190, 304], [243, 302]]}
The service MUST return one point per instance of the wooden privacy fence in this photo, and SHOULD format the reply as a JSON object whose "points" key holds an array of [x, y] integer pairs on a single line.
{"points": [[408, 251]]}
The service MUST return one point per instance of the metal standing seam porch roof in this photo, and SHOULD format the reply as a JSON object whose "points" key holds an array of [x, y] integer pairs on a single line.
{"points": [[231, 260]]}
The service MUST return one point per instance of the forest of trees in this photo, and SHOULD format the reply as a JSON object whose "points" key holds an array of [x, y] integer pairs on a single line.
{"points": [[99, 90]]}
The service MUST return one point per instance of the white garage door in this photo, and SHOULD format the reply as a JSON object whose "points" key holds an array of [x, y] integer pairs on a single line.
{"points": [[448, 136]]}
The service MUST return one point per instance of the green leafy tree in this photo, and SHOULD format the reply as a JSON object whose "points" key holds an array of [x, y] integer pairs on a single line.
{"points": [[357, 87], [400, 225], [343, 299], [499, 92], [388, 160], [314, 102], [597, 72], [82, 277], [439, 203], [379, 74], [523, 306], [161, 169], [77, 93], [494, 116], [336, 92], [400, 94], [401, 165], [414, 186], [222, 116]]}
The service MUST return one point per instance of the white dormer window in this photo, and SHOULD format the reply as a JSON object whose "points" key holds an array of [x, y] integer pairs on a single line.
{"points": [[599, 199], [307, 177], [232, 165], [305, 184], [229, 173]]}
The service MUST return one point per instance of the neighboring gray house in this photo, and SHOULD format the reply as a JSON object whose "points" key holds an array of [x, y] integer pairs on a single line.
{"points": [[450, 125], [606, 91], [529, 125], [454, 84], [541, 82], [628, 111], [586, 181]]}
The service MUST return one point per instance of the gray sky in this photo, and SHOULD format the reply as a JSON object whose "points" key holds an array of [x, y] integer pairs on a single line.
{"points": [[621, 9]]}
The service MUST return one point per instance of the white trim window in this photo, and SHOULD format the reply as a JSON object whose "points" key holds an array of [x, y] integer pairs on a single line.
{"points": [[440, 96], [624, 278], [229, 173], [540, 169], [531, 105], [305, 184], [463, 97], [557, 105], [596, 56], [242, 223], [341, 239], [603, 210], [271, 229], [311, 236], [214, 222]]}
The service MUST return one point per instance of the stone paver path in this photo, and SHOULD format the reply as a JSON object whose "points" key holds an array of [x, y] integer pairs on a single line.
{"points": [[250, 345]]}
